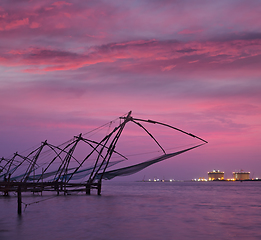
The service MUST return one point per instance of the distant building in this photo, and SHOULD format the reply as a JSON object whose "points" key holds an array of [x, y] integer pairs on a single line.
{"points": [[215, 175], [241, 175]]}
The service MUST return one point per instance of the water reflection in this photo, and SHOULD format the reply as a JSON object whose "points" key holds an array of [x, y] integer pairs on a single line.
{"points": [[204, 210]]}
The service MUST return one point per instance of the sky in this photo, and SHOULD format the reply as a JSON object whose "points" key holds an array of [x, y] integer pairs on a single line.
{"points": [[67, 67]]}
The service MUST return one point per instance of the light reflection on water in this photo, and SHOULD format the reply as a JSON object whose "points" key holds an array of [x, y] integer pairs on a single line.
{"points": [[140, 210]]}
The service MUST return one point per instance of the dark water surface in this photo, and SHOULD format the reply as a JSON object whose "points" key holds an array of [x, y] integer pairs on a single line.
{"points": [[140, 210]]}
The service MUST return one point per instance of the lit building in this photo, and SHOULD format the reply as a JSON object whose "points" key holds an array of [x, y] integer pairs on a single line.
{"points": [[241, 175], [215, 175]]}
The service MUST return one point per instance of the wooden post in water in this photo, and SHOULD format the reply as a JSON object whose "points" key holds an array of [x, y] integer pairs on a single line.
{"points": [[99, 188], [88, 189], [64, 188], [6, 186], [42, 183], [19, 200], [56, 185]]}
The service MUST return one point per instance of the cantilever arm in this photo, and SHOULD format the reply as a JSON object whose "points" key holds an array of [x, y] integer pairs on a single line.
{"points": [[149, 134], [164, 124]]}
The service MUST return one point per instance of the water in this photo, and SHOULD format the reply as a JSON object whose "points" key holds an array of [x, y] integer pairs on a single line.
{"points": [[140, 210]]}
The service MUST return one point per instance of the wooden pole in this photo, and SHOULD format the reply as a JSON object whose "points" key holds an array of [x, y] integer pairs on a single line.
{"points": [[7, 181], [56, 187], [99, 188], [88, 189], [19, 200], [42, 183], [64, 189]]}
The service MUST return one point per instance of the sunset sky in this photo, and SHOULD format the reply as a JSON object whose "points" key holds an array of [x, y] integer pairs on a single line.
{"points": [[67, 67]]}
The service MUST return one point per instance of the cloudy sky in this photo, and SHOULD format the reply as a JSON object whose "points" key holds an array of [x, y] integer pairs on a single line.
{"points": [[69, 66]]}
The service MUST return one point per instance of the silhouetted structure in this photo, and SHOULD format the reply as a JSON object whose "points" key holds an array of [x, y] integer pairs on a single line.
{"points": [[58, 168]]}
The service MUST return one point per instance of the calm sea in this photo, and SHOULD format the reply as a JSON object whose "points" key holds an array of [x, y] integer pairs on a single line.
{"points": [[139, 210]]}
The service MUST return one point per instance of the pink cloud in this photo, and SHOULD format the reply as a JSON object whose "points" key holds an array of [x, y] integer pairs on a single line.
{"points": [[61, 3], [190, 31], [14, 24], [168, 68], [217, 53], [34, 25]]}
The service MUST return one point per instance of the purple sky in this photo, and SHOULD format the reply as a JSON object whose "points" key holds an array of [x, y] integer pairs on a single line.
{"points": [[69, 66]]}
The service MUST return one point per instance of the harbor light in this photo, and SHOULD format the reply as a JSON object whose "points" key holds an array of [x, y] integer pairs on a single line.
{"points": [[241, 175], [215, 175]]}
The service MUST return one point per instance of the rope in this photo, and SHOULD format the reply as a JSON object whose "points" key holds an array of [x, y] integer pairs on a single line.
{"points": [[156, 151], [28, 204]]}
